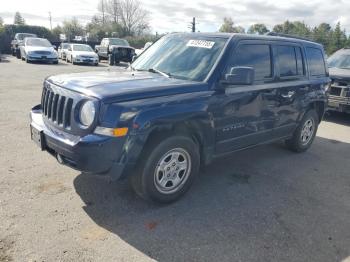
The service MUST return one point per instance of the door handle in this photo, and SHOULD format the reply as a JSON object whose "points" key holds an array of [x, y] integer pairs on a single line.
{"points": [[288, 95]]}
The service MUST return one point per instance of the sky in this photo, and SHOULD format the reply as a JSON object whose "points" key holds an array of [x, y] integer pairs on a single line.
{"points": [[175, 15]]}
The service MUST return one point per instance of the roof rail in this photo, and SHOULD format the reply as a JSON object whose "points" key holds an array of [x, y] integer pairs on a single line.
{"points": [[288, 36]]}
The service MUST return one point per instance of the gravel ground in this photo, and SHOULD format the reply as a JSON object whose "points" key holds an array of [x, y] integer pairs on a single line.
{"points": [[263, 204]]}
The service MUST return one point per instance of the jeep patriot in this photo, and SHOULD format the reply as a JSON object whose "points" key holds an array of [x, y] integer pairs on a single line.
{"points": [[186, 100]]}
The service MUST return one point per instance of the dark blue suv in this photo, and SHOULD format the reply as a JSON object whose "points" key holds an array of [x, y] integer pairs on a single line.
{"points": [[186, 100]]}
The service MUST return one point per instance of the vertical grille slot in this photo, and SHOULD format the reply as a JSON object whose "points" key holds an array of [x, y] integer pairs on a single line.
{"points": [[61, 103], [54, 107], [67, 112], [49, 105], [47, 94]]}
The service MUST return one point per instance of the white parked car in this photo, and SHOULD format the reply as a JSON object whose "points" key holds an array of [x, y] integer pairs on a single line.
{"points": [[38, 49], [62, 50], [140, 51], [81, 54]]}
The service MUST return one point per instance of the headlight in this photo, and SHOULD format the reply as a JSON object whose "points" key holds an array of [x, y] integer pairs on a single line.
{"points": [[87, 113]]}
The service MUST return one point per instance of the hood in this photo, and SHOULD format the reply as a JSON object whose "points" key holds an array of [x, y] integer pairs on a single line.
{"points": [[123, 46], [339, 73], [39, 48], [85, 53], [114, 86]]}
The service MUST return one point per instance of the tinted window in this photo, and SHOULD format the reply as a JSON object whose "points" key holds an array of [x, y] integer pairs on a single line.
{"points": [[256, 56], [316, 62], [290, 61], [287, 61]]}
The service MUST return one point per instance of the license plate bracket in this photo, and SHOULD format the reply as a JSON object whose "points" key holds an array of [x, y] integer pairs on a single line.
{"points": [[38, 137]]}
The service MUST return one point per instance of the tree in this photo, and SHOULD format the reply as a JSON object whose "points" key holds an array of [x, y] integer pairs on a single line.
{"points": [[322, 34], [113, 9], [57, 31], [18, 19], [229, 27], [258, 29], [101, 7], [338, 39], [1, 21], [72, 28], [134, 18]]}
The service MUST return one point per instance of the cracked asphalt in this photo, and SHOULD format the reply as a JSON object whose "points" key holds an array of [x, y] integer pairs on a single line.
{"points": [[263, 204]]}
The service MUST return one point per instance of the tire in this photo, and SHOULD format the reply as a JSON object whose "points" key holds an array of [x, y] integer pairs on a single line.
{"points": [[55, 62], [305, 133], [13, 52], [18, 54], [151, 183], [96, 64]]}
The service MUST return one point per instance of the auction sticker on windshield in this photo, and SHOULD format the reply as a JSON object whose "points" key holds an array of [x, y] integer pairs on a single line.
{"points": [[201, 43]]}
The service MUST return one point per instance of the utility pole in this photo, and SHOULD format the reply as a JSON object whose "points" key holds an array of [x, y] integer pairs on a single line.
{"points": [[193, 25], [50, 18]]}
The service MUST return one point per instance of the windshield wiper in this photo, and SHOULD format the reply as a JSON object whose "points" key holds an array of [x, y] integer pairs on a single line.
{"points": [[154, 70]]}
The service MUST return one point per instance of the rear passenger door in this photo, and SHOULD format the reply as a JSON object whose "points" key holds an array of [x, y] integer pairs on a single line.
{"points": [[293, 85]]}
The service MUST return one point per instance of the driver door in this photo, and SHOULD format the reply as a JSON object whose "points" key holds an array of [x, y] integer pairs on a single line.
{"points": [[244, 115]]}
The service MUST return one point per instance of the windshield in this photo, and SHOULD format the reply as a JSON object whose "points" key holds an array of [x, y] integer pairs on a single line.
{"points": [[22, 36], [38, 42], [186, 57], [117, 41], [339, 60], [82, 48], [65, 46]]}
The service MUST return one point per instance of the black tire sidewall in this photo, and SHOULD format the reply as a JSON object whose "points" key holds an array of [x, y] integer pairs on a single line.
{"points": [[147, 177]]}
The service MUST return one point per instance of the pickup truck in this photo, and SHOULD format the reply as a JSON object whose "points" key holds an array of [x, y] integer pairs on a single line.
{"points": [[186, 100], [115, 50], [17, 42]]}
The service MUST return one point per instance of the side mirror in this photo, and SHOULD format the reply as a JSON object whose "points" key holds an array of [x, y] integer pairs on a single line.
{"points": [[54, 47], [240, 75]]}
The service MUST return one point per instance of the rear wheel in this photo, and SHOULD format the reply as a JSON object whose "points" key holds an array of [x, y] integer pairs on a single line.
{"points": [[18, 53], [167, 169], [305, 133]]}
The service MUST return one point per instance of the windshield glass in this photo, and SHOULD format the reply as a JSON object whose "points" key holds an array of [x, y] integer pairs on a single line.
{"points": [[82, 48], [38, 42], [182, 56], [339, 60], [22, 36], [117, 41], [65, 46]]}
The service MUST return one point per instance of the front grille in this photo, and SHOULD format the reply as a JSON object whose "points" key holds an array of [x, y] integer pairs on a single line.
{"points": [[57, 108], [335, 91], [42, 52]]}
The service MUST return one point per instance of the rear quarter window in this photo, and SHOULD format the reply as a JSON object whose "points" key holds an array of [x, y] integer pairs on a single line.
{"points": [[316, 61]]}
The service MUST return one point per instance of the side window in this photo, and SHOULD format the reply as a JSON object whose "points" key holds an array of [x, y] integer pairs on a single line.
{"points": [[290, 61], [316, 61], [257, 56]]}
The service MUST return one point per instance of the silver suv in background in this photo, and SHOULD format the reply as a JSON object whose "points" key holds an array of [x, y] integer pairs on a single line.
{"points": [[17, 42], [339, 91]]}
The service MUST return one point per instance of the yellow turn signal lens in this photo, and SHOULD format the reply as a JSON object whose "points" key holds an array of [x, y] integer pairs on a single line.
{"points": [[120, 131]]}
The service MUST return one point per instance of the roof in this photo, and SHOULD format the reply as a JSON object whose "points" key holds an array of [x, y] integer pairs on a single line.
{"points": [[255, 37]]}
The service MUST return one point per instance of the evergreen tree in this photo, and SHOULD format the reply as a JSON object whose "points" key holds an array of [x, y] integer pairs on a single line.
{"points": [[18, 19]]}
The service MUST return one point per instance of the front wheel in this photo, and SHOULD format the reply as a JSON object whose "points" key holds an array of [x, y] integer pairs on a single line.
{"points": [[305, 133], [167, 169]]}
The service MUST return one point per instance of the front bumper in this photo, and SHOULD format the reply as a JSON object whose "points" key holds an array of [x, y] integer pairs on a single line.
{"points": [[339, 103], [85, 61], [92, 154], [42, 58]]}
